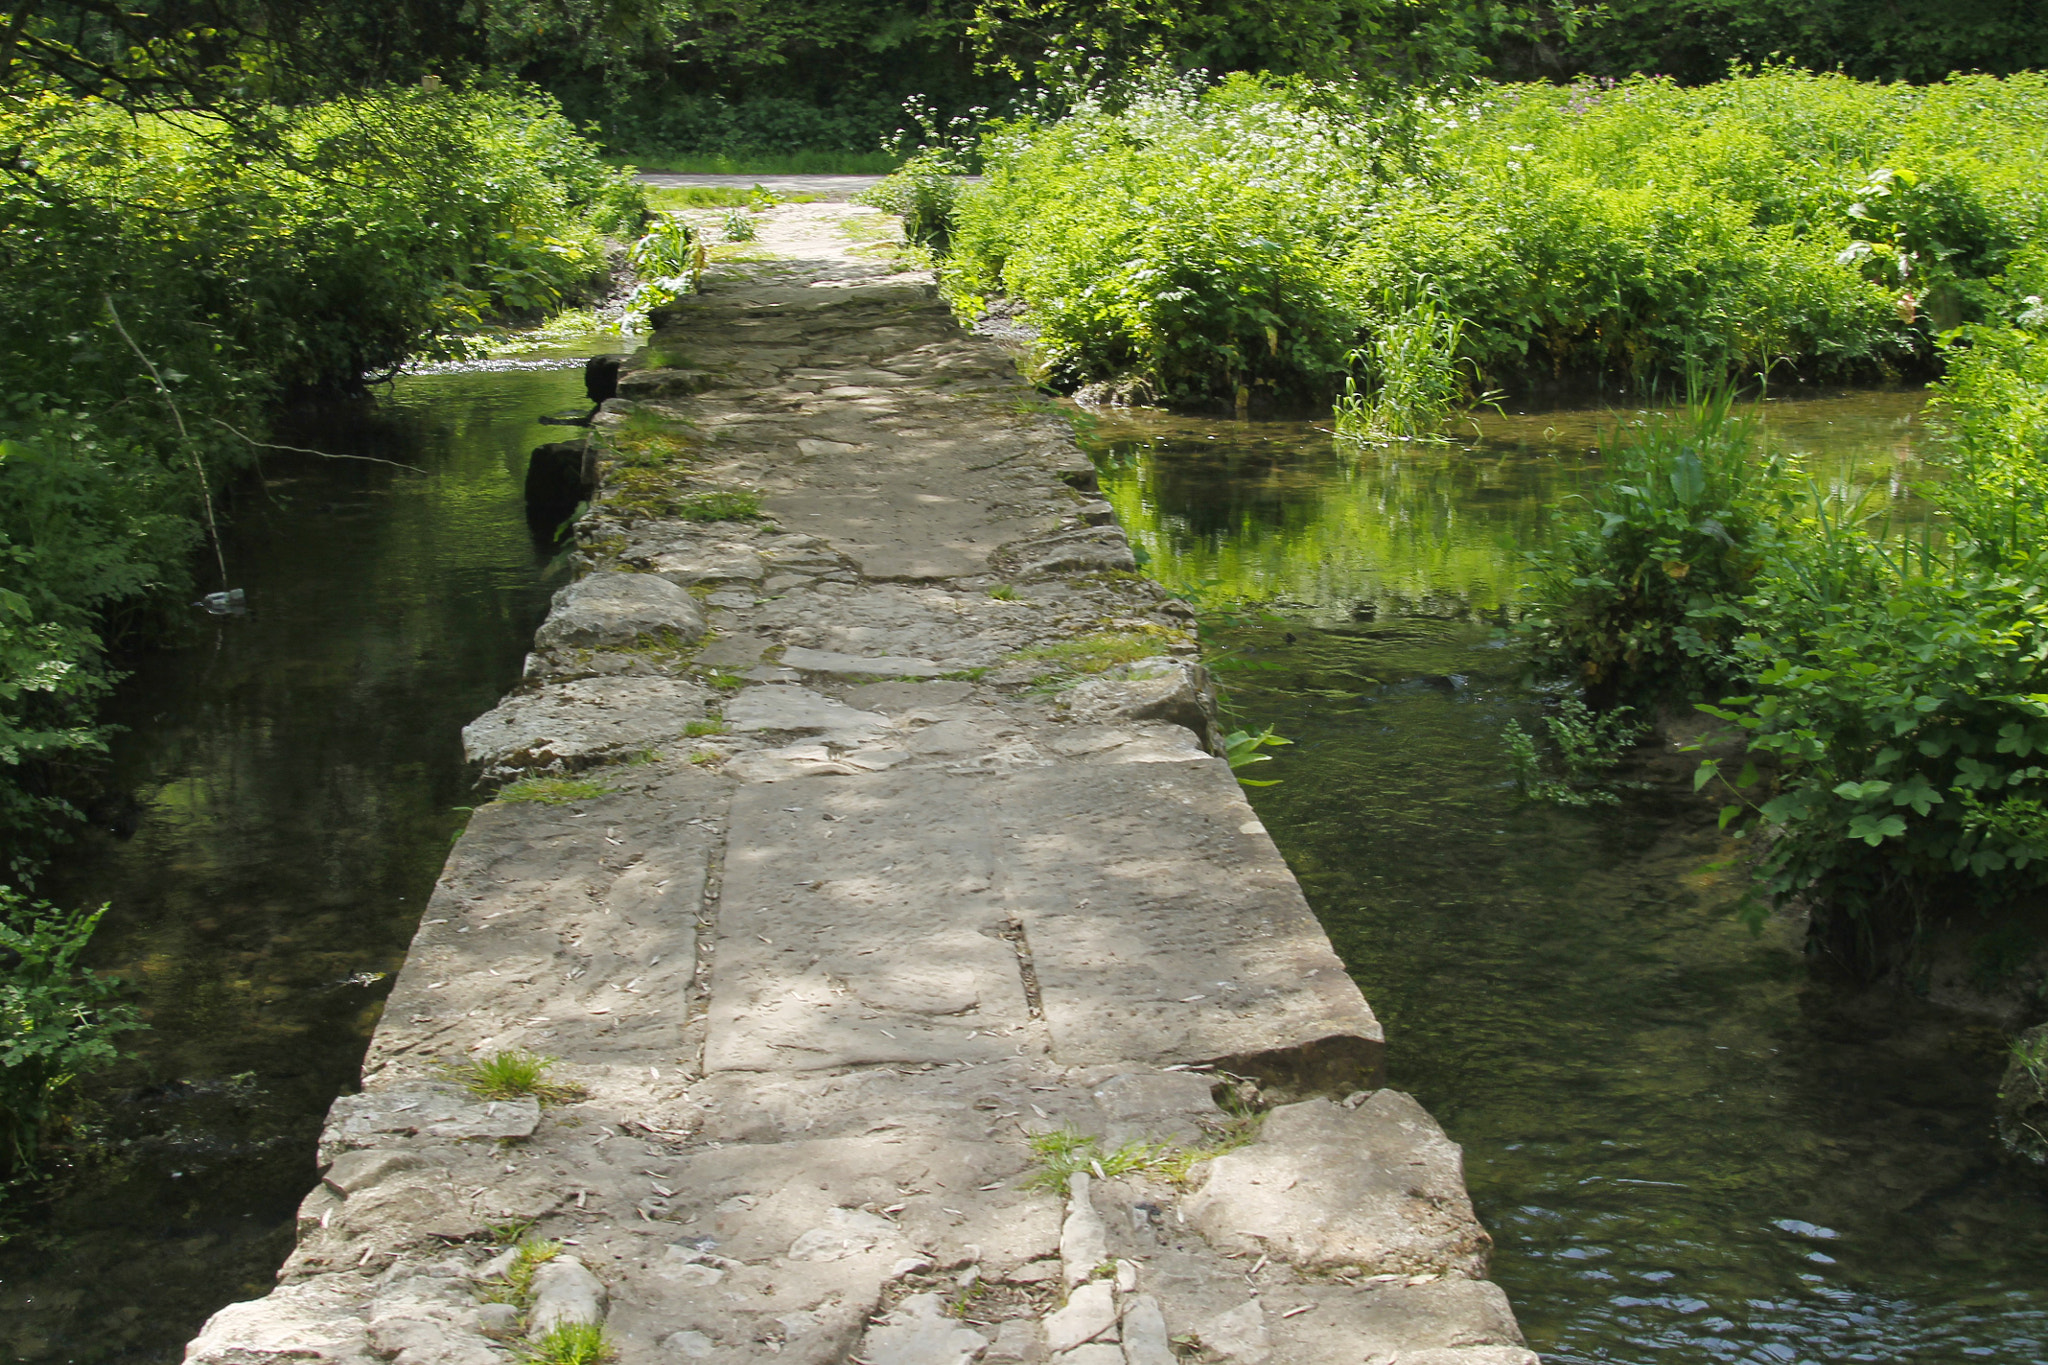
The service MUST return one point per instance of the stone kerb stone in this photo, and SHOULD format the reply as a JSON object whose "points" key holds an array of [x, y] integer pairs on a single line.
{"points": [[1377, 1189], [619, 609]]}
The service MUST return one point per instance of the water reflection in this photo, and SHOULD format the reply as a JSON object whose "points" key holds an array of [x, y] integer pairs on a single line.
{"points": [[1277, 512], [1686, 1147], [295, 773]]}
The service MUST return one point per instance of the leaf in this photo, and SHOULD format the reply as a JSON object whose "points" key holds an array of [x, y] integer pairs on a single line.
{"points": [[1874, 831]]}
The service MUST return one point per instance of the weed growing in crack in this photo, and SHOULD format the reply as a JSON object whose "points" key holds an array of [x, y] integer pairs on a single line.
{"points": [[572, 1343], [552, 791], [515, 1075]]}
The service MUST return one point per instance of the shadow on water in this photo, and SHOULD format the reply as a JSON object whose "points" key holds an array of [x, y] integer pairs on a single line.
{"points": [[1686, 1147], [297, 775]]}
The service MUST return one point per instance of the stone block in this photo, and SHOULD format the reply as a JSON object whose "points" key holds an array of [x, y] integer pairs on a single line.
{"points": [[1378, 1189], [608, 610]]}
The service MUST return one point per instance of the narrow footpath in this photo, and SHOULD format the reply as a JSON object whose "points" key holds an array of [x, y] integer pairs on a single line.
{"points": [[920, 988]]}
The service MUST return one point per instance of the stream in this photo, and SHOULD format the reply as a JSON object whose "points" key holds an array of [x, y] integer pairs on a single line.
{"points": [[297, 776], [1686, 1147]]}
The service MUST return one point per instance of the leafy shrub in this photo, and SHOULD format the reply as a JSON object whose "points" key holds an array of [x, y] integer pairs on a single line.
{"points": [[1895, 689], [57, 1019], [1246, 234], [168, 277], [1637, 594]]}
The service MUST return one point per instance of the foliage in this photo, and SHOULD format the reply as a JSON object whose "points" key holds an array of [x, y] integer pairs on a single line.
{"points": [[669, 260], [168, 277], [1242, 749], [1414, 381], [529, 1255], [1634, 593], [572, 1343], [1101, 650], [514, 1075], [1895, 690], [1207, 238], [1696, 40], [1586, 744], [57, 1019], [552, 791]]}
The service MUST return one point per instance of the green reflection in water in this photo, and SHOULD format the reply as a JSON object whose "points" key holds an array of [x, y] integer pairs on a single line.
{"points": [[1687, 1148], [295, 775], [1278, 512]]}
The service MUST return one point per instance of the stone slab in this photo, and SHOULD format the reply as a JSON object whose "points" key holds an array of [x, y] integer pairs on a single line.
{"points": [[1377, 1189], [861, 923], [1163, 924]]}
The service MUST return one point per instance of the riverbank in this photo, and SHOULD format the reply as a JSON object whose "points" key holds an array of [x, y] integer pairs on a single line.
{"points": [[893, 869]]}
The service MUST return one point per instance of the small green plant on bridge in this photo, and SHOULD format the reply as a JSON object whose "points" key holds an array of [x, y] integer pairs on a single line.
{"points": [[552, 791], [512, 1075], [572, 1343]]}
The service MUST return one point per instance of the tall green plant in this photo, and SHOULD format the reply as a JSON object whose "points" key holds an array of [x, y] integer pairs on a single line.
{"points": [[1639, 594], [58, 1020]]}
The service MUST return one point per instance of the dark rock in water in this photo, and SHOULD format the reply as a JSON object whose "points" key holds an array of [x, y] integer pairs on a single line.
{"points": [[2023, 1100], [601, 377], [556, 480]]}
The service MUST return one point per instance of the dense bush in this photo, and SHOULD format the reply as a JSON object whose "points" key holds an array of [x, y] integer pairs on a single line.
{"points": [[1199, 241], [1634, 593], [167, 277], [1890, 687]]}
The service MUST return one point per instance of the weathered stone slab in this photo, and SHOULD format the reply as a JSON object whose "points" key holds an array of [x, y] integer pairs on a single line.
{"points": [[1378, 1189], [424, 1109], [304, 1324], [858, 666], [873, 936], [615, 609], [798, 710], [567, 726], [1447, 1322], [1163, 924]]}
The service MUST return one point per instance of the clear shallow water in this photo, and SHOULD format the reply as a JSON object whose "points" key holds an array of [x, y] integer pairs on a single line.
{"points": [[1686, 1148], [296, 775]]}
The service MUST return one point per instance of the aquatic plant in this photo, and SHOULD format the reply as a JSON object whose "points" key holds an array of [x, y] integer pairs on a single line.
{"points": [[1585, 746], [1637, 593], [1242, 749]]}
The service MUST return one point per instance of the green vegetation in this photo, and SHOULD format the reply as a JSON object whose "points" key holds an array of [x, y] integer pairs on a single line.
{"points": [[1064, 1152], [552, 791], [57, 1019], [1888, 686], [1584, 744], [516, 1286], [725, 505], [515, 1075], [1101, 650], [169, 277], [573, 1343], [1198, 243], [1242, 749]]}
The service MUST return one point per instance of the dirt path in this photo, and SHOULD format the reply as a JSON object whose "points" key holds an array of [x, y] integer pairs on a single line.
{"points": [[929, 992]]}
